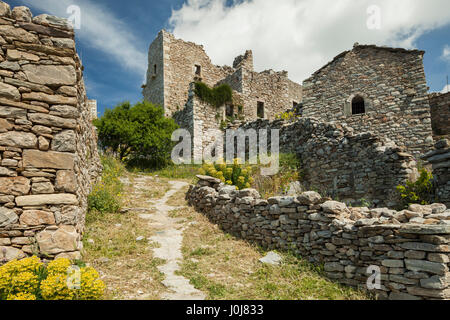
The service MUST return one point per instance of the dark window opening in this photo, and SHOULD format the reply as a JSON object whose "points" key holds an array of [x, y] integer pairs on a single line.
{"points": [[154, 69], [198, 70], [229, 111], [294, 104], [260, 110], [358, 105]]}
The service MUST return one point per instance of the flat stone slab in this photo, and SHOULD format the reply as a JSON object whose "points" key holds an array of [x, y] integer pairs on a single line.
{"points": [[272, 258], [425, 229]]}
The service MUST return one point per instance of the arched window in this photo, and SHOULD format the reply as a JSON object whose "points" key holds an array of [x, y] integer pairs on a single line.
{"points": [[358, 105]]}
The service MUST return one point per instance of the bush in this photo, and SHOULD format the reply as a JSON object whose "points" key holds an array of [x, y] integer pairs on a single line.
{"points": [[139, 135], [30, 279], [420, 191], [217, 96], [106, 195], [235, 174]]}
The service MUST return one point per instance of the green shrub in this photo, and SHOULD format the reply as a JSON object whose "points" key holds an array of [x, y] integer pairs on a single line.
{"points": [[217, 96], [106, 195], [420, 191]]}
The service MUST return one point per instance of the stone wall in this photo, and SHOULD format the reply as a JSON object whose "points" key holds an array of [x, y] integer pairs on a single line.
{"points": [[341, 162], [202, 120], [439, 158], [440, 113], [391, 82], [410, 247], [48, 146]]}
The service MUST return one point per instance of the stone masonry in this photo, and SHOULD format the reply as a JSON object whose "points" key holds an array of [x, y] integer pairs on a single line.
{"points": [[48, 145], [391, 85], [409, 248]]}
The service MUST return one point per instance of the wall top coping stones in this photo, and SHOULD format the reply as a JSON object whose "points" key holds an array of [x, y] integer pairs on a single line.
{"points": [[372, 47]]}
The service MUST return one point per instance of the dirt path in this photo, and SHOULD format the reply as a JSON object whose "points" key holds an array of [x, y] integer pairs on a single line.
{"points": [[169, 236]]}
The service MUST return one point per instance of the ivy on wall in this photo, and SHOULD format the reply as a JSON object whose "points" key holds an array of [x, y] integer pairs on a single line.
{"points": [[217, 96]]}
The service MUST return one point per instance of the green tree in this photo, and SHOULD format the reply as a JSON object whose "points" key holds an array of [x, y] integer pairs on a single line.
{"points": [[139, 135]]}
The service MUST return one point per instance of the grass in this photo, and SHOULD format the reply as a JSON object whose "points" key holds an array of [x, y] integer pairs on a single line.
{"points": [[270, 186], [226, 268], [126, 265], [183, 172]]}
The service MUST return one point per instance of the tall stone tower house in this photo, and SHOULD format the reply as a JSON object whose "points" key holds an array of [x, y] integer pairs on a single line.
{"points": [[174, 64]]}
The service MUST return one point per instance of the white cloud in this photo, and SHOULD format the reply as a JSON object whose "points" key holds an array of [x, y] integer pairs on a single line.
{"points": [[446, 89], [446, 53], [101, 30], [301, 35]]}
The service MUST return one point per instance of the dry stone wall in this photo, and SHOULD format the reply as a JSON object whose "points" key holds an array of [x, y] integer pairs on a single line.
{"points": [[362, 165], [410, 247], [391, 82], [48, 145], [440, 113]]}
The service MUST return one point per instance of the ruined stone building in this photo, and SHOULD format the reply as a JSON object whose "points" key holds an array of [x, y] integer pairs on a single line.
{"points": [[174, 64], [376, 89]]}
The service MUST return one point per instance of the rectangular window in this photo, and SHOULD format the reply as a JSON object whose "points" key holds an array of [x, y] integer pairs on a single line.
{"points": [[260, 110], [198, 70], [229, 111]]}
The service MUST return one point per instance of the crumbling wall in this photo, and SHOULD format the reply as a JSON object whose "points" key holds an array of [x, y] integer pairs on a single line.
{"points": [[440, 113], [391, 82], [340, 162], [439, 158], [48, 145], [408, 249]]}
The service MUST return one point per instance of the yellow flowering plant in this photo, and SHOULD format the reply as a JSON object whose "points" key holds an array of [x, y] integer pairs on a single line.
{"points": [[30, 279]]}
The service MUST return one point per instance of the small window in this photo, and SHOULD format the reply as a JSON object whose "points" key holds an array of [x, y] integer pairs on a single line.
{"points": [[154, 69], [260, 110], [294, 104], [229, 112], [198, 70], [358, 105]]}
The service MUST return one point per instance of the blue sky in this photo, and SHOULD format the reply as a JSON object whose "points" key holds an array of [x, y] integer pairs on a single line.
{"points": [[295, 35]]}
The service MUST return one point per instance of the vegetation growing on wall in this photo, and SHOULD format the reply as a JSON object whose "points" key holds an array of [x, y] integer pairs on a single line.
{"points": [[139, 135], [217, 96], [420, 191]]}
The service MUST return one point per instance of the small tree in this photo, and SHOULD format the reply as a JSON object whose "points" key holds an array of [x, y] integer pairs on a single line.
{"points": [[139, 135]]}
